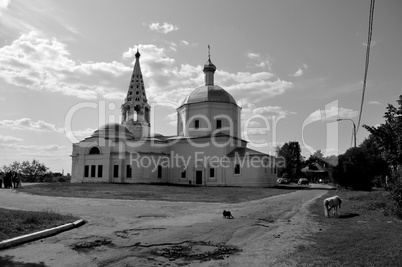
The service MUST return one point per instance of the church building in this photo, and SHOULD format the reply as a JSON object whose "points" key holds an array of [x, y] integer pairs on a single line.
{"points": [[207, 150]]}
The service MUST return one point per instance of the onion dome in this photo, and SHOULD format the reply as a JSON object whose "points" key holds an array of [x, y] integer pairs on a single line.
{"points": [[210, 93], [113, 131], [209, 66]]}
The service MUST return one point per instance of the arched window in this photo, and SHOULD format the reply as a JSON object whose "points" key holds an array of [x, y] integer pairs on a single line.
{"points": [[94, 151], [159, 171]]}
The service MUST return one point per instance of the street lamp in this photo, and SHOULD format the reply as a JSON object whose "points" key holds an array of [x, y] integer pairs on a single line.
{"points": [[354, 127]]}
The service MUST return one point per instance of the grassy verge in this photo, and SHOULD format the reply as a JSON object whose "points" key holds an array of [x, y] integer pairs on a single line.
{"points": [[364, 234], [155, 192], [15, 223]]}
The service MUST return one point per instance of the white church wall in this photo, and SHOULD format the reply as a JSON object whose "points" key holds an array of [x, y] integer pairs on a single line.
{"points": [[251, 173], [207, 113], [83, 162]]}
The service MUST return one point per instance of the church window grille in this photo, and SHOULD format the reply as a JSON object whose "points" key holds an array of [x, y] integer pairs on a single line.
{"points": [[94, 150], [115, 171], [212, 172], [218, 124], [93, 170], [159, 171], [86, 171], [272, 166], [129, 171], [237, 169], [100, 170]]}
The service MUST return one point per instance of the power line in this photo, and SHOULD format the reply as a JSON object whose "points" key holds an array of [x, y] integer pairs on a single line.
{"points": [[370, 32]]}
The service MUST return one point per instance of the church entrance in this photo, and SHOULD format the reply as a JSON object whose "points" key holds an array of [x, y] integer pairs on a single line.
{"points": [[198, 177]]}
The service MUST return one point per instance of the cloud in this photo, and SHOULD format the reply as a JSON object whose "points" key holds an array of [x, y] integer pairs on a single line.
{"points": [[331, 114], [10, 139], [79, 134], [51, 151], [28, 124], [253, 55], [272, 110], [172, 118], [257, 121], [163, 28], [259, 60], [374, 103], [184, 42], [4, 4], [298, 73], [373, 43], [39, 63]]}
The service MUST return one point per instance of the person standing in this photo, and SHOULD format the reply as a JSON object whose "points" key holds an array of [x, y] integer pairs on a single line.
{"points": [[1, 179], [18, 180], [7, 180], [14, 179]]}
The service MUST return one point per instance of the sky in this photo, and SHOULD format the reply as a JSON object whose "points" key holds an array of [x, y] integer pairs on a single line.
{"points": [[294, 66]]}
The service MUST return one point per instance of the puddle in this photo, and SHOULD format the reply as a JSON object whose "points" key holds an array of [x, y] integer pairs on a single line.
{"points": [[158, 215], [135, 231], [91, 243], [195, 251]]}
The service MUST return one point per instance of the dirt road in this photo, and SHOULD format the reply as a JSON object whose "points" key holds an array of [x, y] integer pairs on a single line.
{"points": [[160, 233]]}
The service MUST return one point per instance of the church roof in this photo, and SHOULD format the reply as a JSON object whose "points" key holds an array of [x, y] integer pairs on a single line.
{"points": [[210, 93], [113, 131], [242, 151], [315, 167], [136, 91], [209, 66]]}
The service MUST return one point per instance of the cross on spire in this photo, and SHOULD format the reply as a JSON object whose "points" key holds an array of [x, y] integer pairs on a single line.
{"points": [[209, 52], [137, 55]]}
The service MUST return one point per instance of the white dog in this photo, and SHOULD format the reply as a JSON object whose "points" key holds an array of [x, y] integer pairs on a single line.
{"points": [[332, 203]]}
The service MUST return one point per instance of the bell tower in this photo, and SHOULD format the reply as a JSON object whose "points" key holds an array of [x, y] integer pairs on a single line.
{"points": [[136, 110]]}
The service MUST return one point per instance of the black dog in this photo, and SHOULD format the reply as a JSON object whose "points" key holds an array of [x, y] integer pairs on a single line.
{"points": [[227, 215]]}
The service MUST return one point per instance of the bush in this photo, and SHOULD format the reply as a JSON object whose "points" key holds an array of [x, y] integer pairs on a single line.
{"points": [[396, 195], [359, 168]]}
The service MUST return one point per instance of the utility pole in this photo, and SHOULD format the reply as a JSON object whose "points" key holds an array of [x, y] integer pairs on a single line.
{"points": [[354, 127]]}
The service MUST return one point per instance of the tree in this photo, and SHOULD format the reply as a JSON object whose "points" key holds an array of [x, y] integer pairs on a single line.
{"points": [[388, 136], [14, 167], [33, 170], [291, 153], [318, 154], [358, 168]]}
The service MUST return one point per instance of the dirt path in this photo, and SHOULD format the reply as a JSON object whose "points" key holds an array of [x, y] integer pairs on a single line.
{"points": [[160, 233]]}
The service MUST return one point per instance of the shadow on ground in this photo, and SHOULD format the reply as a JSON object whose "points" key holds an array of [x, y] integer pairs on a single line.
{"points": [[7, 261], [348, 215], [305, 187]]}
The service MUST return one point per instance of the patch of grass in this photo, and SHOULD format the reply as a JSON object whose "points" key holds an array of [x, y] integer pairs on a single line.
{"points": [[155, 192], [15, 223], [360, 236]]}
